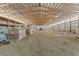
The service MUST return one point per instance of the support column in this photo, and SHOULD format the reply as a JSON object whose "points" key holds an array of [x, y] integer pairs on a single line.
{"points": [[28, 30], [64, 26], [70, 26], [57, 27], [8, 28], [78, 25]]}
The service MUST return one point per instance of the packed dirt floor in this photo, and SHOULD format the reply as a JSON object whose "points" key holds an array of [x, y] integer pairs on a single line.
{"points": [[43, 43]]}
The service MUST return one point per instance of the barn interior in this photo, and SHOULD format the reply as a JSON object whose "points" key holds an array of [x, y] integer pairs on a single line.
{"points": [[39, 29]]}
